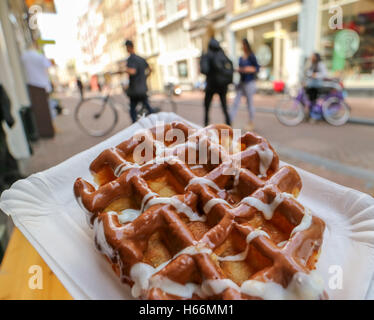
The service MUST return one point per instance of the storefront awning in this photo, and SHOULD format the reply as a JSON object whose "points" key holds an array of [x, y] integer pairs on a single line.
{"points": [[275, 14]]}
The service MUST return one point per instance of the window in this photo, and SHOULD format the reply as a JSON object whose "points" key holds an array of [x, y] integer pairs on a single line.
{"points": [[171, 8], [150, 39], [349, 53], [182, 69]]}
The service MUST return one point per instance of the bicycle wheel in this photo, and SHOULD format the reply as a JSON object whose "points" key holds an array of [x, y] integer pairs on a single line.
{"points": [[335, 111], [96, 116], [290, 111]]}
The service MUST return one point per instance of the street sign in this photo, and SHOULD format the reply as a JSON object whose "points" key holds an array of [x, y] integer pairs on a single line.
{"points": [[43, 42]]}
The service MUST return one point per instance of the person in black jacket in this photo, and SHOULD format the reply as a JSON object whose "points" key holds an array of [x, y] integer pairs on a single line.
{"points": [[8, 165], [219, 73], [138, 70], [80, 87]]}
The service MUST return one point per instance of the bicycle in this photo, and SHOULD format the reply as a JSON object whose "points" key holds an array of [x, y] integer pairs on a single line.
{"points": [[330, 105], [98, 116]]}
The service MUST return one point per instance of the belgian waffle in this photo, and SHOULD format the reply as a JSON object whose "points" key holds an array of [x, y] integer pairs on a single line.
{"points": [[174, 230]]}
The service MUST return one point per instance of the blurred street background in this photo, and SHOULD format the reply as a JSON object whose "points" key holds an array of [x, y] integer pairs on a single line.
{"points": [[84, 40]]}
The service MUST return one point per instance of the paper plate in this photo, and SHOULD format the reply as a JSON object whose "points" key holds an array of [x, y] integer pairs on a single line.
{"points": [[43, 207]]}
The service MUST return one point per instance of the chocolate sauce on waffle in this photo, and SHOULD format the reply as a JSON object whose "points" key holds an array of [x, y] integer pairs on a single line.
{"points": [[203, 234]]}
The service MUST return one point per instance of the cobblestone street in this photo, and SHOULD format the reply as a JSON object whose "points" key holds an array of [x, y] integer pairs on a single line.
{"points": [[342, 154]]}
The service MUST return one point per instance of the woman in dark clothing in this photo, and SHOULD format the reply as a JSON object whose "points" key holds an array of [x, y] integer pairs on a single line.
{"points": [[248, 67], [315, 73], [218, 70]]}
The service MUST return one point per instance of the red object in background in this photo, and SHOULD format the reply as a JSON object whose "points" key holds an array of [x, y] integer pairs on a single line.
{"points": [[94, 83], [278, 86]]}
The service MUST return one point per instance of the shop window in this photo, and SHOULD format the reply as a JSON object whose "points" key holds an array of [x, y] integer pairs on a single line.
{"points": [[349, 53], [182, 69]]}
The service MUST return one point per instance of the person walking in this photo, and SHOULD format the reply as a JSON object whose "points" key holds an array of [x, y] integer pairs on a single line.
{"points": [[9, 171], [36, 67], [315, 73], [80, 87], [248, 67], [138, 70], [219, 70]]}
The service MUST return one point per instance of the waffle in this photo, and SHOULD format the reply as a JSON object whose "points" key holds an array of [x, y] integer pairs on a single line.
{"points": [[175, 230]]}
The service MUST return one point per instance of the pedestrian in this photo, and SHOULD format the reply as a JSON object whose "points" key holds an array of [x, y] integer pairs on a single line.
{"points": [[219, 70], [36, 67], [248, 68], [9, 171], [138, 70], [315, 73], [80, 87]]}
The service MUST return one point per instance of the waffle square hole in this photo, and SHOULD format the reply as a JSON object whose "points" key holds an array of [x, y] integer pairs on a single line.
{"points": [[165, 184], [240, 269]]}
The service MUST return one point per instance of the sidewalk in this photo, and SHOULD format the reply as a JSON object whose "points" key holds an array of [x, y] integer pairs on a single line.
{"points": [[344, 155], [362, 107]]}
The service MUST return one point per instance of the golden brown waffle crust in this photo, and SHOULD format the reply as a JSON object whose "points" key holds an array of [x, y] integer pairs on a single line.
{"points": [[218, 236]]}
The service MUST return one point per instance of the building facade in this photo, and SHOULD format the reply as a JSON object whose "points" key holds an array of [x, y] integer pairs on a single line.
{"points": [[102, 32], [207, 18], [172, 34], [347, 44], [272, 29], [177, 57], [92, 39], [147, 40]]}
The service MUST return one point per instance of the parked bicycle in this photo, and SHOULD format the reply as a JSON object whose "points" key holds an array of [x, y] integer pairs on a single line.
{"points": [[98, 116], [330, 105]]}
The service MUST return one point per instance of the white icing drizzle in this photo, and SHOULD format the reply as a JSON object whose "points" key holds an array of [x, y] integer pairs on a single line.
{"points": [[141, 273], [79, 200], [304, 224], [237, 177], [177, 204], [217, 286], [146, 198], [191, 250], [211, 203], [161, 149], [165, 154], [302, 287], [243, 255], [213, 136], [198, 166], [266, 157], [282, 243], [201, 180], [196, 249], [175, 288], [128, 215], [105, 248], [264, 290], [124, 166], [88, 214], [266, 209]]}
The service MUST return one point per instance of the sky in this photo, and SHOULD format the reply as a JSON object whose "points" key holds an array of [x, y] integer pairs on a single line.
{"points": [[62, 27]]}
